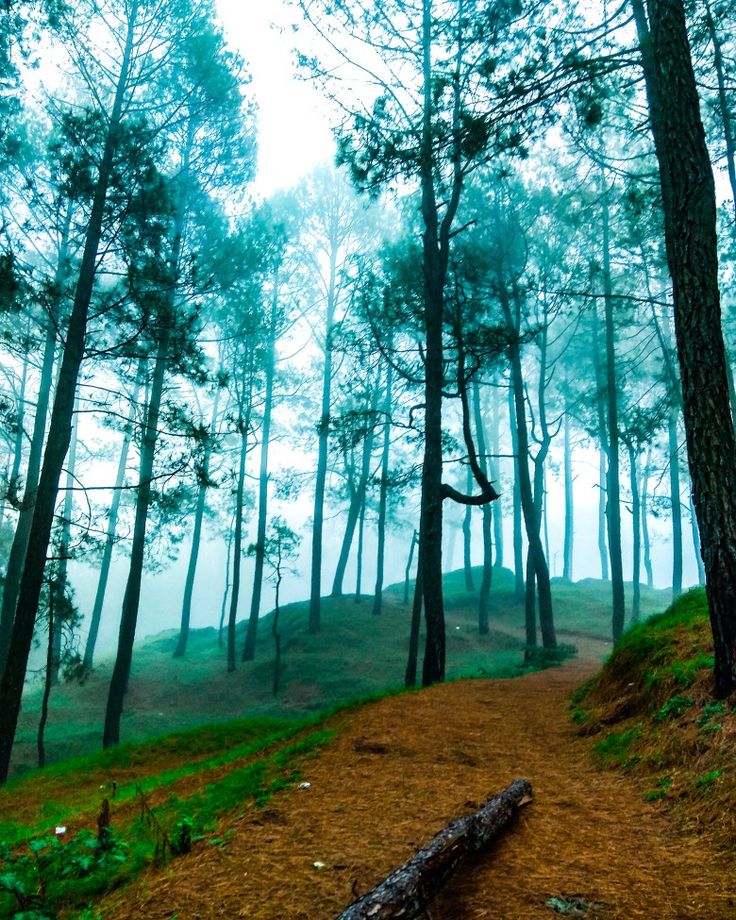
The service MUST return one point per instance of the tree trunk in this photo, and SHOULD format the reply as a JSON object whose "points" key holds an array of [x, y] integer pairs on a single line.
{"points": [[613, 478], [249, 649], [696, 543], [519, 591], [60, 581], [357, 499], [688, 196], [409, 890], [485, 584], [112, 525], [204, 476], [567, 553], [20, 422], [407, 573], [223, 605], [315, 596], [531, 516], [19, 545], [468, 539], [383, 494], [602, 545], [47, 683], [237, 549], [530, 605], [131, 598], [59, 435], [675, 502], [410, 675], [646, 545], [495, 468], [636, 531], [359, 555]]}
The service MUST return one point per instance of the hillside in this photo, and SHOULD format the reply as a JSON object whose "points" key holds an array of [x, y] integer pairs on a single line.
{"points": [[287, 819], [354, 655], [652, 715]]}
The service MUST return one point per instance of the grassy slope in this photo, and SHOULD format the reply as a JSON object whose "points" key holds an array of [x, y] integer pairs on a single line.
{"points": [[652, 708], [355, 654]]}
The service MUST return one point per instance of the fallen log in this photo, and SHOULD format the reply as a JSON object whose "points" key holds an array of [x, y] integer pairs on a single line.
{"points": [[409, 890]]}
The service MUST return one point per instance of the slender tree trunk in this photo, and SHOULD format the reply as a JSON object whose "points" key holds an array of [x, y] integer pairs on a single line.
{"points": [[567, 565], [47, 683], [688, 196], [696, 543], [112, 525], [645, 518], [359, 558], [495, 468], [131, 598], [357, 500], [19, 545], [57, 445], [60, 581], [468, 539], [602, 544], [203, 476], [383, 494], [410, 675], [249, 649], [531, 516], [225, 593], [407, 574], [613, 478], [276, 633], [315, 596], [675, 502], [519, 591], [237, 549], [636, 531], [530, 606], [485, 584], [20, 423]]}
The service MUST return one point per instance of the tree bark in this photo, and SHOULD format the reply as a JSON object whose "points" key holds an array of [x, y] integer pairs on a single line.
{"points": [[410, 889], [22, 531], [636, 531], [131, 598], [485, 584], [315, 596], [383, 494], [613, 476], [204, 475], [519, 591], [495, 468], [57, 444], [468, 539], [112, 526], [646, 545], [688, 195], [567, 553], [675, 502], [249, 649]]}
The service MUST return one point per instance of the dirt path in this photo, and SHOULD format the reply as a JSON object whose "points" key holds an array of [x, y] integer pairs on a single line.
{"points": [[398, 771]]}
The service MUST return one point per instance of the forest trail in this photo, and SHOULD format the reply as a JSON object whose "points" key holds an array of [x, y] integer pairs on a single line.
{"points": [[398, 771]]}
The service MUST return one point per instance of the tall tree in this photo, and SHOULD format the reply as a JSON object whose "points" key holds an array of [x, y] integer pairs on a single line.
{"points": [[688, 197]]}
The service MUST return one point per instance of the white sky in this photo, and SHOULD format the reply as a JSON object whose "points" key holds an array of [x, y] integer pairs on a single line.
{"points": [[293, 122]]}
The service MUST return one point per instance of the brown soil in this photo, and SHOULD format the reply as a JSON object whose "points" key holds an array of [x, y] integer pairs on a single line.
{"points": [[398, 771]]}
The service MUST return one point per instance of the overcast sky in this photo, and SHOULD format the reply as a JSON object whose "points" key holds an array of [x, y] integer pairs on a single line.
{"points": [[293, 123]]}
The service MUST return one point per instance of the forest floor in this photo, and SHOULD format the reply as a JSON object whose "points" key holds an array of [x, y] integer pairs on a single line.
{"points": [[400, 769]]}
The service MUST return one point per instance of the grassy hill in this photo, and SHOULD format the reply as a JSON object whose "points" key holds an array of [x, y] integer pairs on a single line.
{"points": [[354, 655], [653, 713]]}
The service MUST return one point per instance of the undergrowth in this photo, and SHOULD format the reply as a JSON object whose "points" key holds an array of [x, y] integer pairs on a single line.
{"points": [[652, 710]]}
